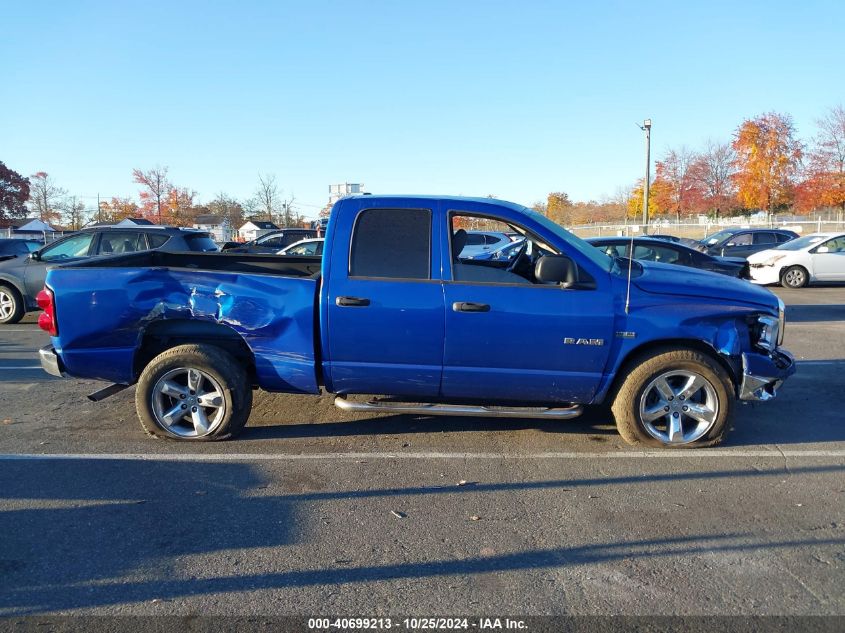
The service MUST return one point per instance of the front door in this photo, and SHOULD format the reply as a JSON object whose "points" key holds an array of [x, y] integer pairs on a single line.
{"points": [[509, 338], [385, 305], [67, 250]]}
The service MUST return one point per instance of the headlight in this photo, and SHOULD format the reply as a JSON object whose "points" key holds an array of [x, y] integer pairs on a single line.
{"points": [[767, 332]]}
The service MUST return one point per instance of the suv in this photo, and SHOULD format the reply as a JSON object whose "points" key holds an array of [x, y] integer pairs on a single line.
{"points": [[15, 247], [273, 242], [21, 278], [744, 242]]}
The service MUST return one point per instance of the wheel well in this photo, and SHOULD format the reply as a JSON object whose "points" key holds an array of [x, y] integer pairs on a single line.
{"points": [[785, 268], [163, 335], [636, 355]]}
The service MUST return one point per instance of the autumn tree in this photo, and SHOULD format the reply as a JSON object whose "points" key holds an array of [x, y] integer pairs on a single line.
{"points": [[823, 184], [117, 209], [559, 207], [73, 211], [715, 172], [227, 207], [45, 197], [677, 183], [156, 189], [767, 159], [635, 202], [14, 192], [178, 206]]}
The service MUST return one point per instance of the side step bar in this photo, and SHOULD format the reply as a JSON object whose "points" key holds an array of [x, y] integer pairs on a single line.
{"points": [[561, 413]]}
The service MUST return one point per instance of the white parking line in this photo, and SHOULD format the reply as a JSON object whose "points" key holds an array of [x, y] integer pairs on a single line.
{"points": [[245, 457], [19, 366]]}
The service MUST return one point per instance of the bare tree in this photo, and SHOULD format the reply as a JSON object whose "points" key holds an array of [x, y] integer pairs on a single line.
{"points": [[74, 213], [716, 174], [45, 197], [156, 189], [267, 196]]}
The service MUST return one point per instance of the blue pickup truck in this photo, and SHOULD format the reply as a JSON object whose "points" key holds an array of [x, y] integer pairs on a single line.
{"points": [[393, 312]]}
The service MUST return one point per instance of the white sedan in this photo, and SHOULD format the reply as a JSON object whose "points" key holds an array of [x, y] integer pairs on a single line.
{"points": [[311, 247], [794, 264]]}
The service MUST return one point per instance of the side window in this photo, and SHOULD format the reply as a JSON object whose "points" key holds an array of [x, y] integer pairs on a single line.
{"points": [[391, 244], [783, 237], [76, 246], [157, 240], [836, 245], [764, 238], [116, 242], [475, 239], [656, 254], [743, 239], [275, 241]]}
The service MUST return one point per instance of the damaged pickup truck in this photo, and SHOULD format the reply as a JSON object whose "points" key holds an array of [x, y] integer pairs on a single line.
{"points": [[394, 312]]}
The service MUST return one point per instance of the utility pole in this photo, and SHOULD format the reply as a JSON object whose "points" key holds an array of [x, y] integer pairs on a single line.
{"points": [[646, 127]]}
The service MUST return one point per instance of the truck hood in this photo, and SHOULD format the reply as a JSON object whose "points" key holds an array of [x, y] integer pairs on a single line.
{"points": [[669, 279]]}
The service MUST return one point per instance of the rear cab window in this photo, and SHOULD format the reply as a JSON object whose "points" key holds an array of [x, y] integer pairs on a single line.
{"points": [[391, 244], [200, 242]]}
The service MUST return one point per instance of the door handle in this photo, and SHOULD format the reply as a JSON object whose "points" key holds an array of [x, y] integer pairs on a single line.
{"points": [[352, 302], [468, 306]]}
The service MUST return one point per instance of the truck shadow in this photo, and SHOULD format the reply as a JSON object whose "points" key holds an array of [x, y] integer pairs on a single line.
{"points": [[814, 312], [93, 533]]}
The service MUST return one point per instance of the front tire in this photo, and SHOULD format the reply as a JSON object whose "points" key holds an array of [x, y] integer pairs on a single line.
{"points": [[11, 305], [193, 393], [674, 399], [794, 277]]}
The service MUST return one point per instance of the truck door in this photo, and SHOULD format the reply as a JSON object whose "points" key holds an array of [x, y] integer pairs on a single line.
{"points": [[509, 338], [384, 303]]}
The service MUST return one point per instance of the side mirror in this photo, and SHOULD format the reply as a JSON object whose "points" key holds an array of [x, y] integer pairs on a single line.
{"points": [[558, 269], [35, 255], [822, 249]]}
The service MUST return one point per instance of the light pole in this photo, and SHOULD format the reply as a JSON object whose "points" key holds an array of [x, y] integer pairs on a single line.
{"points": [[646, 127]]}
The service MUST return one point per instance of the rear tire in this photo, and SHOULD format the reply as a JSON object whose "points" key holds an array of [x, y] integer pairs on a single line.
{"points": [[11, 305], [794, 277], [194, 393], [678, 398]]}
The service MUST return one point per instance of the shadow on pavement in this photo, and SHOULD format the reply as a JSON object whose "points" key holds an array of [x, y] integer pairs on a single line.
{"points": [[80, 533], [813, 313]]}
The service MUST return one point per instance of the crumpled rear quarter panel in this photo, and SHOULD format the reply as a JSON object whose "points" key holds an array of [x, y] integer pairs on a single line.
{"points": [[102, 314]]}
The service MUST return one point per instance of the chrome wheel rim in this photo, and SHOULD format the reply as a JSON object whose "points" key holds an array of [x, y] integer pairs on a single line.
{"points": [[679, 407], [188, 402], [794, 278], [7, 305]]}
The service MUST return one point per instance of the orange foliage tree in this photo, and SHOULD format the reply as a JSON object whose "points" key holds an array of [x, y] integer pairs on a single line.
{"points": [[677, 183], [767, 160]]}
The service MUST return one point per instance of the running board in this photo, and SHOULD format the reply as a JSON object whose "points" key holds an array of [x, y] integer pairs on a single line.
{"points": [[561, 413]]}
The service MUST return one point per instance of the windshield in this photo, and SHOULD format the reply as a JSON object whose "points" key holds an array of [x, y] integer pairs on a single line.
{"points": [[587, 250], [717, 237], [801, 242]]}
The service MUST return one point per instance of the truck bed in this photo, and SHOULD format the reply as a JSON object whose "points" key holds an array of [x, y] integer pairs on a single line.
{"points": [[109, 307], [298, 266]]}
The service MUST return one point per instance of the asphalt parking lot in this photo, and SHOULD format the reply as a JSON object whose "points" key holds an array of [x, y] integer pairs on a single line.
{"points": [[314, 511]]}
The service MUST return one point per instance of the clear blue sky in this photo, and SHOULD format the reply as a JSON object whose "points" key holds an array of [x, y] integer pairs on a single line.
{"points": [[513, 99]]}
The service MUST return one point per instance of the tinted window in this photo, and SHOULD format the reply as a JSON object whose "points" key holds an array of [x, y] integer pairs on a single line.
{"points": [[391, 243], [76, 246], [157, 240], [783, 237], [656, 254], [200, 242], [475, 239], [743, 239], [115, 242], [764, 238], [272, 242]]}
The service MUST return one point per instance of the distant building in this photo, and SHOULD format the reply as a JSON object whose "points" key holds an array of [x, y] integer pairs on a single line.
{"points": [[336, 192], [220, 227], [135, 222], [255, 229]]}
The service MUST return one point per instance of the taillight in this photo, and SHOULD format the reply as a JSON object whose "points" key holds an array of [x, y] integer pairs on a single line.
{"points": [[47, 319]]}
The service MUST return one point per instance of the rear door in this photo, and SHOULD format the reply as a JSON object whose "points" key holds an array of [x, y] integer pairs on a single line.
{"points": [[738, 245], [384, 302]]}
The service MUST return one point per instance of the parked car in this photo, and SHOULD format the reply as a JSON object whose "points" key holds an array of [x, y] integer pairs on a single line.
{"points": [[744, 242], [16, 247], [504, 253], [311, 247], [483, 242], [808, 259], [542, 337], [21, 278], [686, 241], [273, 242], [655, 250]]}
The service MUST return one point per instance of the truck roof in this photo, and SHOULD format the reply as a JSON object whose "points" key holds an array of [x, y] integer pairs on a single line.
{"points": [[389, 197]]}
